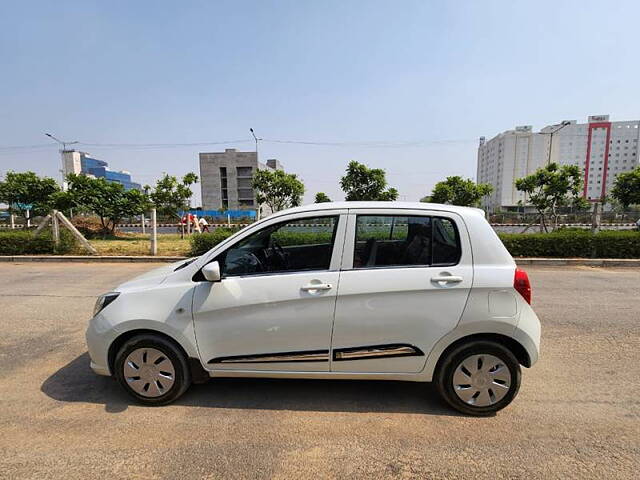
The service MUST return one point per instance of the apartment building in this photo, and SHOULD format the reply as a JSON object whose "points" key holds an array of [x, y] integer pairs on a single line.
{"points": [[601, 148], [226, 179]]}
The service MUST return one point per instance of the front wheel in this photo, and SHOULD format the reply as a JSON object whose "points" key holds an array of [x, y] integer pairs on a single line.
{"points": [[152, 369], [479, 378]]}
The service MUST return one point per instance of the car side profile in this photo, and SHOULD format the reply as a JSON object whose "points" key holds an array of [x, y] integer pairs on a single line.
{"points": [[353, 290]]}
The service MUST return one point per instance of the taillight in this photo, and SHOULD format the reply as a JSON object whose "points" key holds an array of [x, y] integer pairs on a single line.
{"points": [[522, 285]]}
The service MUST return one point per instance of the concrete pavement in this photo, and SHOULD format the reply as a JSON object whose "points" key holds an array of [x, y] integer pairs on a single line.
{"points": [[577, 414]]}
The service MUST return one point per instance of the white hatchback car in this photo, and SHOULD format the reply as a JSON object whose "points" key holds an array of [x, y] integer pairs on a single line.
{"points": [[355, 290]]}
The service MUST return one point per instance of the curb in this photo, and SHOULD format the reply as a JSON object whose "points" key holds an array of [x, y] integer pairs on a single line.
{"points": [[586, 262], [89, 258], [550, 262]]}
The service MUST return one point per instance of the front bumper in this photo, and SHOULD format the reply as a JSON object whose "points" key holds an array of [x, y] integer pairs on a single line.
{"points": [[98, 341]]}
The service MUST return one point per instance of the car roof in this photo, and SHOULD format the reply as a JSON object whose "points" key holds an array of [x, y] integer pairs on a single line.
{"points": [[317, 207]]}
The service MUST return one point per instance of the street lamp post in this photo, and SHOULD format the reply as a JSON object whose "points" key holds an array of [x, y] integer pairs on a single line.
{"points": [[64, 149], [256, 140], [560, 127]]}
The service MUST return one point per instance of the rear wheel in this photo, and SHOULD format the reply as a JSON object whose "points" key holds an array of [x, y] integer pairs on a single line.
{"points": [[479, 378], [152, 369]]}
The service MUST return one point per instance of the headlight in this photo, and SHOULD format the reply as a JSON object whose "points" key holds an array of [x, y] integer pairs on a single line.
{"points": [[103, 301]]}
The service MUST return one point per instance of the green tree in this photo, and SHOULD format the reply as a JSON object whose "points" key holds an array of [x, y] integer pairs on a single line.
{"points": [[170, 196], [188, 180], [550, 188], [363, 183], [277, 189], [108, 200], [20, 188], [458, 191], [626, 188], [322, 197]]}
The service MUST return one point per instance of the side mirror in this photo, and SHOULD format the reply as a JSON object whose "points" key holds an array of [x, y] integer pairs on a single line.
{"points": [[211, 271]]}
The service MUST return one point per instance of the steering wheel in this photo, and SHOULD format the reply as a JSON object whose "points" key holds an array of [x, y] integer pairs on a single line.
{"points": [[280, 253]]}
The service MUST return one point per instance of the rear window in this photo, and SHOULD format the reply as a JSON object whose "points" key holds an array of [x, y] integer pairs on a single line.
{"points": [[390, 240]]}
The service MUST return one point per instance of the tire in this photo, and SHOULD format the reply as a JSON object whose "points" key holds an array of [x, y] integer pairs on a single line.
{"points": [[478, 378], [159, 365]]}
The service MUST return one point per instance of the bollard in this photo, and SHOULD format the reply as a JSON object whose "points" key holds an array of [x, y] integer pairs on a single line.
{"points": [[154, 233]]}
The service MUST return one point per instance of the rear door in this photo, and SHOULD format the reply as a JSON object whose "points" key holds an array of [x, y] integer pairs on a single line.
{"points": [[405, 281]]}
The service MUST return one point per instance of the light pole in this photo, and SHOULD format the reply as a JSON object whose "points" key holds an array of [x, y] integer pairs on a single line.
{"points": [[64, 149], [560, 127], [256, 139]]}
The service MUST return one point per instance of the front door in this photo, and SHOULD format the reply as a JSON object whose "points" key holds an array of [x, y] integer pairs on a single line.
{"points": [[273, 308], [404, 285]]}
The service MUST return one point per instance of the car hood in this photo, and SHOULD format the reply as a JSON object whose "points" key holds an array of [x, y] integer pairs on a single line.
{"points": [[152, 277]]}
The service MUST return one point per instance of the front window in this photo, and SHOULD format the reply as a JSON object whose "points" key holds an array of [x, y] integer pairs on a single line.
{"points": [[386, 241], [297, 245]]}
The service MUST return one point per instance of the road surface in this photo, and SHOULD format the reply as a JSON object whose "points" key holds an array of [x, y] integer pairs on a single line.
{"points": [[577, 415]]}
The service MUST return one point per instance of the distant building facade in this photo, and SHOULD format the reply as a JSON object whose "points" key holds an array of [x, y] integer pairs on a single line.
{"points": [[601, 148], [226, 179], [81, 163]]}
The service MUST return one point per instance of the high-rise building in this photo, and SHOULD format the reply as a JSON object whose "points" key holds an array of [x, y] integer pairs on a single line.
{"points": [[226, 179], [81, 163], [601, 148]]}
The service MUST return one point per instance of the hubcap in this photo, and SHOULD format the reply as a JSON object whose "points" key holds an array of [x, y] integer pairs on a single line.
{"points": [[149, 372], [481, 380]]}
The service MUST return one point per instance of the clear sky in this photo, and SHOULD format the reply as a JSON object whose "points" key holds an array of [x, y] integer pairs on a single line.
{"points": [[407, 86]]}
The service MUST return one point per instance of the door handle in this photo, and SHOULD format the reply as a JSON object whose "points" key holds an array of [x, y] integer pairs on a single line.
{"points": [[316, 286], [447, 279]]}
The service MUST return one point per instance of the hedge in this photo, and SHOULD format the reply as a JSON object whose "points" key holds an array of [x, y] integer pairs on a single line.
{"points": [[562, 243], [203, 242], [21, 242], [574, 243]]}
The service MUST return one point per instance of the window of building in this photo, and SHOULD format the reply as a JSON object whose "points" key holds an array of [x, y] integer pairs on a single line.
{"points": [[244, 171], [387, 241], [284, 247], [245, 194], [224, 193]]}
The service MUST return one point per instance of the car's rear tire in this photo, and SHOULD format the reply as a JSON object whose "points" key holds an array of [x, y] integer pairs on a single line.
{"points": [[478, 378], [152, 369]]}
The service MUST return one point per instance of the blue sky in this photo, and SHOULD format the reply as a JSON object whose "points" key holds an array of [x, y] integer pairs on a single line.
{"points": [[367, 75]]}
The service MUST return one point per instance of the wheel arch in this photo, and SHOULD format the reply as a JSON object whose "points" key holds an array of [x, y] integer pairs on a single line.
{"points": [[510, 343], [499, 332]]}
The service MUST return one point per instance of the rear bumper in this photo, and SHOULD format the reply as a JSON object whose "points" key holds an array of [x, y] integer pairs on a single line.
{"points": [[528, 332]]}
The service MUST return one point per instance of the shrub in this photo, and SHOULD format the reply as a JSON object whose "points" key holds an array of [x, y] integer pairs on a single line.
{"points": [[561, 243], [203, 242], [574, 243], [21, 242]]}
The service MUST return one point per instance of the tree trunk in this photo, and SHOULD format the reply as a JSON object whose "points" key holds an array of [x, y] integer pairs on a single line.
{"points": [[595, 218]]}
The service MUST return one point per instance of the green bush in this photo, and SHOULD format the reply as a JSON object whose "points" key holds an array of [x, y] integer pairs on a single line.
{"points": [[301, 238], [203, 242], [574, 243], [21, 242]]}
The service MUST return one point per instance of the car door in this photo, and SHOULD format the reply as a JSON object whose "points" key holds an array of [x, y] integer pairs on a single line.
{"points": [[405, 281], [273, 308]]}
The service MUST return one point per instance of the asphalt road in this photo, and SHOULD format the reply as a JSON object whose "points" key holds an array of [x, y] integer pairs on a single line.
{"points": [[577, 414]]}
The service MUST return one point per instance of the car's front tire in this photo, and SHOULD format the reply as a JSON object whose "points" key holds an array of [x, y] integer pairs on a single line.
{"points": [[479, 377], [152, 369]]}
